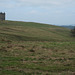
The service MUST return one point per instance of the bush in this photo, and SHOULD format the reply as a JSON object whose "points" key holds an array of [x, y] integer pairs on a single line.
{"points": [[73, 32]]}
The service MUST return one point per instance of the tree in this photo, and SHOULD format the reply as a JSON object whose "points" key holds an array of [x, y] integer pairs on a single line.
{"points": [[73, 32]]}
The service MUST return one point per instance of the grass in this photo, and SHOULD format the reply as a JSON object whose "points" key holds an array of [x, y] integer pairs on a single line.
{"points": [[47, 58], [27, 31], [49, 53]]}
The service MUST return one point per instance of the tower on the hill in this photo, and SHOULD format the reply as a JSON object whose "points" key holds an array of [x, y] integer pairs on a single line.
{"points": [[2, 16]]}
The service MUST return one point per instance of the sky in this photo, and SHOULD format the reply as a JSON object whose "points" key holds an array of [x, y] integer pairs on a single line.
{"points": [[57, 12]]}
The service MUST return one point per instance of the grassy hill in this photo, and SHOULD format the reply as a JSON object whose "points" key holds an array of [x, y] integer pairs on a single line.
{"points": [[28, 48], [33, 31]]}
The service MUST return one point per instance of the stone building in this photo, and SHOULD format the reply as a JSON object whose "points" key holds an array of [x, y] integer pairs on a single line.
{"points": [[2, 16]]}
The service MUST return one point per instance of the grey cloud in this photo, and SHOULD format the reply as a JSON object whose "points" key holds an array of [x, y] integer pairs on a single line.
{"points": [[39, 3]]}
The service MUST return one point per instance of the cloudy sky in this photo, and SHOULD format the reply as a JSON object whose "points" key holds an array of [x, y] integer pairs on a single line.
{"points": [[59, 12]]}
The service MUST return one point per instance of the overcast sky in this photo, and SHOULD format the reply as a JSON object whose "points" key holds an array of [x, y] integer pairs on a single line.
{"points": [[59, 12]]}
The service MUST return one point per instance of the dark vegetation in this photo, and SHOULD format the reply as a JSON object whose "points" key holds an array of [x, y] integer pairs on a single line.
{"points": [[36, 49], [73, 32]]}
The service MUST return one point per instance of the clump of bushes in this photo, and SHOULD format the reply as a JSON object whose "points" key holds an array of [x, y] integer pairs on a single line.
{"points": [[73, 32]]}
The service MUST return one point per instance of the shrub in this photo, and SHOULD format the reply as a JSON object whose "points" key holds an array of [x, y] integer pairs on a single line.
{"points": [[73, 32]]}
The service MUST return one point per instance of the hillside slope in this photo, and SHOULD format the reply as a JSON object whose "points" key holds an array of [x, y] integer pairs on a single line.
{"points": [[28, 31], [43, 54]]}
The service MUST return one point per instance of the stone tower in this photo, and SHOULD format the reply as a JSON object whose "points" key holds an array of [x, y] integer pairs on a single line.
{"points": [[2, 16]]}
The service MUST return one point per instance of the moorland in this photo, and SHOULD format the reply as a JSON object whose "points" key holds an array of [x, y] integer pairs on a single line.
{"points": [[28, 48]]}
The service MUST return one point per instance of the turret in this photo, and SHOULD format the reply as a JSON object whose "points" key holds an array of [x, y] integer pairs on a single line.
{"points": [[2, 16]]}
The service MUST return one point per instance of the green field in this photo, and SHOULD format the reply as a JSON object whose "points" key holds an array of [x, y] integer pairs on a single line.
{"points": [[28, 48]]}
